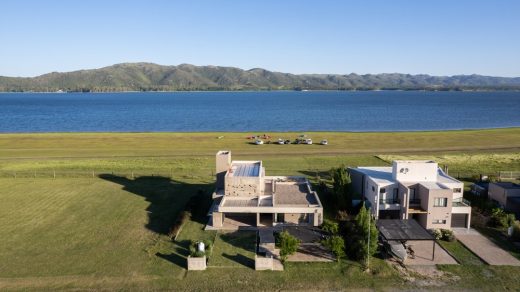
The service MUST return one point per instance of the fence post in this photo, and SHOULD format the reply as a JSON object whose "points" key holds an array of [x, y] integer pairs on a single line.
{"points": [[93, 174], [54, 173], [133, 175]]}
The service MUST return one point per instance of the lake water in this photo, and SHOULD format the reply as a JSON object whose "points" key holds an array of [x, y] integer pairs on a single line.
{"points": [[257, 111]]}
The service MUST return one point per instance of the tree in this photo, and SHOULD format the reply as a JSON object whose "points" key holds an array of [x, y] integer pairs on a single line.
{"points": [[365, 243], [341, 188], [288, 245], [330, 227], [336, 244]]}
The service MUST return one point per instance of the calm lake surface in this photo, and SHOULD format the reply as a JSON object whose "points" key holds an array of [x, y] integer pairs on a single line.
{"points": [[257, 111]]}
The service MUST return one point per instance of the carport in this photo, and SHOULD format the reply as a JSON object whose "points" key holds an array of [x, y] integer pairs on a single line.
{"points": [[404, 230]]}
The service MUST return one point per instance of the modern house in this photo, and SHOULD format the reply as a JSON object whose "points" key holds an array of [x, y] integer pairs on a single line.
{"points": [[417, 190], [506, 195], [246, 197]]}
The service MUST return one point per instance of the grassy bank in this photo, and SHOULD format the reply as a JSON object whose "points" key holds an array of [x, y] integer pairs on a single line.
{"points": [[83, 231]]}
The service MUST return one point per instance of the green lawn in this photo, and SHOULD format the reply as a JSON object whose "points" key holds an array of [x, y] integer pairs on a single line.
{"points": [[85, 232]]}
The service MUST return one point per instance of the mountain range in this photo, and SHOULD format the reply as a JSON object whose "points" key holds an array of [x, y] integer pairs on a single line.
{"points": [[153, 77]]}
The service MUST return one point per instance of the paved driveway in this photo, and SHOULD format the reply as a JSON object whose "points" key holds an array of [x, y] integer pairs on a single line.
{"points": [[485, 248]]}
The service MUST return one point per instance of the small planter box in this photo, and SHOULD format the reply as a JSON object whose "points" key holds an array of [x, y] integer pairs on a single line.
{"points": [[263, 263], [196, 264]]}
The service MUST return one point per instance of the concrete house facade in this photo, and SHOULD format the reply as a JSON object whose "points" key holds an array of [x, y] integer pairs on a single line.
{"points": [[417, 190], [246, 197], [506, 195]]}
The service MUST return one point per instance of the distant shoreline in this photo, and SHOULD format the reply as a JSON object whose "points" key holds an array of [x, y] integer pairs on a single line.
{"points": [[261, 132], [268, 90]]}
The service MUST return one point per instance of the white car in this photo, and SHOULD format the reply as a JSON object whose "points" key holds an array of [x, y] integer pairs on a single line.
{"points": [[308, 141], [324, 142], [281, 141], [259, 142]]}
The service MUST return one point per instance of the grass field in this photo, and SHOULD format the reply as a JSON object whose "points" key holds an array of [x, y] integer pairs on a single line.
{"points": [[84, 232]]}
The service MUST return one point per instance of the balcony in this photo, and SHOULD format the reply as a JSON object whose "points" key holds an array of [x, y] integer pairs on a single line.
{"points": [[461, 202], [388, 201], [415, 201]]}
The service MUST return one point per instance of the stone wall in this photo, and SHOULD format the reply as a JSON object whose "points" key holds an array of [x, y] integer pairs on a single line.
{"points": [[196, 264], [263, 263]]}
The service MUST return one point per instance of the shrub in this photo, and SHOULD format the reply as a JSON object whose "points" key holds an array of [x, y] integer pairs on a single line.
{"points": [[336, 244], [447, 235], [330, 227], [501, 219], [195, 252], [288, 245], [516, 231], [437, 234]]}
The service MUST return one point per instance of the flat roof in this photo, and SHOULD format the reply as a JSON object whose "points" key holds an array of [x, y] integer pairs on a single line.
{"points": [[293, 194], [240, 202], [246, 168], [380, 174], [432, 185], [396, 229], [383, 175]]}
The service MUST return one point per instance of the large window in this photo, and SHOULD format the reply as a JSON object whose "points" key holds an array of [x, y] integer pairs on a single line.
{"points": [[382, 190], [457, 190], [440, 202]]}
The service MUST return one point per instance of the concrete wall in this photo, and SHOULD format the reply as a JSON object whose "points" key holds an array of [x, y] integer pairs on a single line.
{"points": [[414, 171], [241, 186], [223, 162], [356, 179], [500, 194], [217, 219], [427, 197], [296, 218], [263, 263], [196, 264]]}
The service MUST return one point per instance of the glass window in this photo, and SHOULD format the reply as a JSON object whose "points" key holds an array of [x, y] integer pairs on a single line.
{"points": [[440, 202], [457, 190], [439, 221], [396, 193], [382, 190]]}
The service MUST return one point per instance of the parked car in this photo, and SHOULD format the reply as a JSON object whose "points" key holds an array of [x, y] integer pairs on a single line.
{"points": [[324, 142], [259, 142]]}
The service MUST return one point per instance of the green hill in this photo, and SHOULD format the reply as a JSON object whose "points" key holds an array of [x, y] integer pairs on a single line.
{"points": [[153, 77]]}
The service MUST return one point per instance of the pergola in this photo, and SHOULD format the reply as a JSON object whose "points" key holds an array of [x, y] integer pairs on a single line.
{"points": [[404, 230]]}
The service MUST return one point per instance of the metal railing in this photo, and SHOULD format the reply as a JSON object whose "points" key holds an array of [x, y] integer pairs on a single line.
{"points": [[388, 201], [461, 202]]}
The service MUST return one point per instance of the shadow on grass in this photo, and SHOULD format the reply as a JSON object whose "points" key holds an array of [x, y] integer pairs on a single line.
{"points": [[167, 199], [241, 259]]}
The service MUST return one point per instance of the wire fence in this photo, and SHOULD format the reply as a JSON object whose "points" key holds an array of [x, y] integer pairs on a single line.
{"points": [[206, 173]]}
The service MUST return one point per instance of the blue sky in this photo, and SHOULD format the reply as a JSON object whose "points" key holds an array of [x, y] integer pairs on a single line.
{"points": [[441, 37]]}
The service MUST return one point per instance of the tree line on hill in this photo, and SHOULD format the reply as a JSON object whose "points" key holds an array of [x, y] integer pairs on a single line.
{"points": [[185, 77]]}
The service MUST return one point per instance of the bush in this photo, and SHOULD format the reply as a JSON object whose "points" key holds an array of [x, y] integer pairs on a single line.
{"points": [[437, 234], [501, 219], [195, 252], [288, 245], [330, 227], [336, 244], [516, 231], [447, 235]]}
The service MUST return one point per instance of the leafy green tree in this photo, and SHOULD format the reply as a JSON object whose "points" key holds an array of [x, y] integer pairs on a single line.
{"points": [[341, 188], [365, 234], [336, 244], [330, 227], [288, 245]]}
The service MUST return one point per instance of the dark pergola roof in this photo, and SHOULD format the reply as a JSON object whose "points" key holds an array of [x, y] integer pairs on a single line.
{"points": [[402, 230]]}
